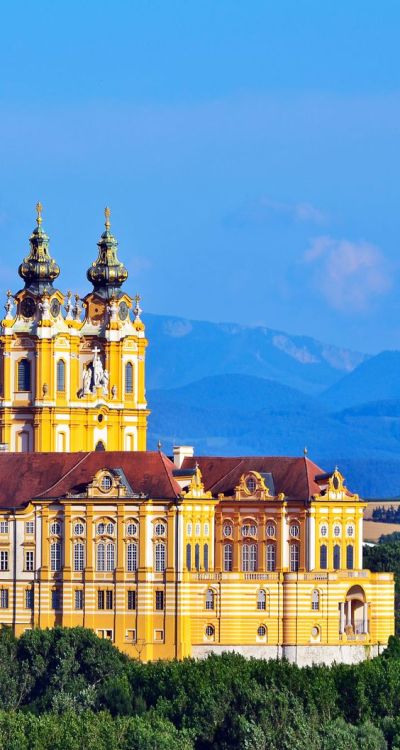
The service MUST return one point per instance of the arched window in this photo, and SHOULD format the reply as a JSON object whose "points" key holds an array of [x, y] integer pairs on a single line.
{"points": [[210, 599], [271, 557], [245, 557], [315, 599], [100, 446], [336, 557], [189, 556], [79, 556], [262, 632], [131, 562], [110, 556], [261, 599], [228, 557], [205, 552], [100, 563], [159, 555], [129, 377], [24, 375], [61, 375], [323, 557], [350, 557], [55, 556], [197, 556], [294, 553], [160, 529]]}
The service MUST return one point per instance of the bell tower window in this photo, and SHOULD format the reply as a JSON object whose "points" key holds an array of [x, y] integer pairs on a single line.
{"points": [[24, 375], [129, 377]]}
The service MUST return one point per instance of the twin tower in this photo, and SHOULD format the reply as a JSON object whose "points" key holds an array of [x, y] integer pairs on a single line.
{"points": [[72, 371]]}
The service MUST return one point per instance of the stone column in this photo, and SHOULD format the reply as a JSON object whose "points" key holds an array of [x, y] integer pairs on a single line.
{"points": [[348, 615], [365, 618], [342, 617]]}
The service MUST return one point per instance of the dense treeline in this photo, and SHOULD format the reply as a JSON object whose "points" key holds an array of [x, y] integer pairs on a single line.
{"points": [[65, 689], [387, 514]]}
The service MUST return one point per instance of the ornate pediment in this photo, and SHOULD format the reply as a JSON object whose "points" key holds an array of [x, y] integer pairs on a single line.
{"points": [[335, 489], [253, 486]]}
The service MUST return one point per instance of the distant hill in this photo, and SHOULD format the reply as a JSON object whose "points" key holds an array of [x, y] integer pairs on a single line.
{"points": [[182, 351], [375, 379]]}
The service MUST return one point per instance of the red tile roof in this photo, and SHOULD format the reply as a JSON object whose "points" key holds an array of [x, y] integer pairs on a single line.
{"points": [[25, 476], [293, 476]]}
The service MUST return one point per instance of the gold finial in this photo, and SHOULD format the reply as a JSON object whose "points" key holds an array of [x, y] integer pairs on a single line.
{"points": [[159, 445], [107, 214], [39, 209], [305, 451], [137, 299]]}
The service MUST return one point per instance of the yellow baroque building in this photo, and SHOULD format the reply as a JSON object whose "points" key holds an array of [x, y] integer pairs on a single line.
{"points": [[166, 556]]}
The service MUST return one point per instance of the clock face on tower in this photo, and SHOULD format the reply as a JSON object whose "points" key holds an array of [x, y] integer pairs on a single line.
{"points": [[28, 307], [55, 307]]}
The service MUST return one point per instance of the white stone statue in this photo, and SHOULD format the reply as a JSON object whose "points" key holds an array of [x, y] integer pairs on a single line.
{"points": [[44, 307], [105, 381], [9, 305], [98, 371], [113, 310], [68, 306], [87, 379], [76, 311]]}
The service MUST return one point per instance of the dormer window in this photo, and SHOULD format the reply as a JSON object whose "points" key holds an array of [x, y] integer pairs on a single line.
{"points": [[251, 484], [106, 483]]}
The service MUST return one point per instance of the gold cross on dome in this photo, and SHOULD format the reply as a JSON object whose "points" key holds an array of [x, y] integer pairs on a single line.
{"points": [[39, 209], [107, 214]]}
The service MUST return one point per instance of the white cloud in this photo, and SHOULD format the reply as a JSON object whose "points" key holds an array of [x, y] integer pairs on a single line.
{"points": [[260, 211], [348, 274]]}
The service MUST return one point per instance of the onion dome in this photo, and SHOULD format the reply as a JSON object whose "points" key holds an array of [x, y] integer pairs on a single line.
{"points": [[107, 273], [38, 269]]}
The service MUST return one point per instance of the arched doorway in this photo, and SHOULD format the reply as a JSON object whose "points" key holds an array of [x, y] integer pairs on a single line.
{"points": [[354, 613]]}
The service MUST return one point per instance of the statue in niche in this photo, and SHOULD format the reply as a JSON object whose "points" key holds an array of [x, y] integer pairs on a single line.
{"points": [[94, 376], [87, 381]]}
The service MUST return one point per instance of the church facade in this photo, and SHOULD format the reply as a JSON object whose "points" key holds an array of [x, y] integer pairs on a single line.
{"points": [[166, 556]]}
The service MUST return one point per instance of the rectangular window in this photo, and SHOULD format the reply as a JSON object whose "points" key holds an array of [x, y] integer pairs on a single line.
{"points": [[3, 527], [132, 558], [131, 599], [130, 635], [55, 556], [109, 599], [271, 557], [78, 599], [29, 527], [4, 598], [29, 598], [159, 600], [160, 557], [55, 599], [100, 600], [158, 635], [110, 551], [4, 560], [294, 558], [79, 557], [228, 557], [29, 560]]}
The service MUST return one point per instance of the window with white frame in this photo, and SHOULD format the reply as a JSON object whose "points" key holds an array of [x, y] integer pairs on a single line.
{"points": [[159, 557], [78, 599], [29, 560], [323, 529], [189, 529], [106, 483], [55, 528], [228, 557], [110, 556], [101, 556], [29, 598], [210, 599], [227, 529], [251, 484], [271, 557], [249, 530], [271, 529], [110, 529], [337, 530], [3, 560], [262, 631], [210, 631], [294, 554], [55, 556], [262, 599], [197, 529], [206, 529], [3, 527], [131, 562], [249, 557], [294, 530], [101, 528], [350, 530], [79, 556], [4, 598], [160, 529], [79, 529], [315, 600], [29, 527], [131, 529]]}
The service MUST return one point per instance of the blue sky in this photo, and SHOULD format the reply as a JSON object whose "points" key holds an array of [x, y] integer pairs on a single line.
{"points": [[249, 152]]}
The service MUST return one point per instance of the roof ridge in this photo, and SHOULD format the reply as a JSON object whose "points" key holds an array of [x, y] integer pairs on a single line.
{"points": [[60, 479], [226, 475]]}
